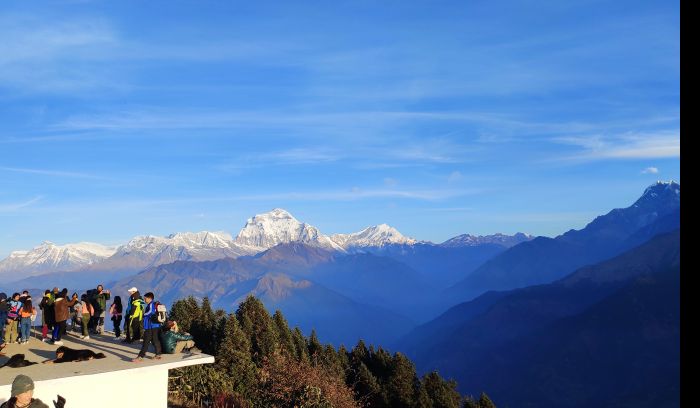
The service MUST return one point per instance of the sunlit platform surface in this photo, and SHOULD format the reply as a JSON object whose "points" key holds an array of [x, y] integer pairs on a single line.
{"points": [[106, 379]]}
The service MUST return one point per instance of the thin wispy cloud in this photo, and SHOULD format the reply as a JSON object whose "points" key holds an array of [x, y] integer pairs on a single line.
{"points": [[270, 199], [650, 170], [625, 147], [52, 173], [12, 207]]}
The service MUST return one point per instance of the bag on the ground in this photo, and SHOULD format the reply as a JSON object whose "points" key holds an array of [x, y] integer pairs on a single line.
{"points": [[160, 313]]}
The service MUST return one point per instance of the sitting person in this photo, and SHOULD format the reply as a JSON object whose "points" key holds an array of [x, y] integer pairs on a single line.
{"points": [[21, 394], [175, 342]]}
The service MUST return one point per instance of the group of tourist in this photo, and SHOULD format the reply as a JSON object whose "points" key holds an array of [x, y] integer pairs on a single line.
{"points": [[144, 319]]}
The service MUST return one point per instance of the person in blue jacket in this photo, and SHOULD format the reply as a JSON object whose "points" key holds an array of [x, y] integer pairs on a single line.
{"points": [[151, 327]]}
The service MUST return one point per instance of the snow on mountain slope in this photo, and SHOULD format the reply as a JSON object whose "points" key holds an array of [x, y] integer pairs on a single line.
{"points": [[474, 240], [149, 250], [276, 227], [49, 257], [375, 236]]}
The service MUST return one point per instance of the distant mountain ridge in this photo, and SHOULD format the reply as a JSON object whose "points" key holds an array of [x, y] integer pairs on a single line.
{"points": [[544, 260], [260, 233], [308, 283], [608, 332]]}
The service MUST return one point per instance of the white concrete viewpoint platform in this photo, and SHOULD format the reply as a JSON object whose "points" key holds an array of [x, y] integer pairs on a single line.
{"points": [[114, 381]]}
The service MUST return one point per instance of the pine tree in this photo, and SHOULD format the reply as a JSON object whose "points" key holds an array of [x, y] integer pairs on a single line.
{"points": [[203, 328], [300, 348], [367, 389], [359, 353], [234, 357], [402, 386], [442, 394], [315, 347], [284, 334], [483, 402], [257, 324], [184, 312]]}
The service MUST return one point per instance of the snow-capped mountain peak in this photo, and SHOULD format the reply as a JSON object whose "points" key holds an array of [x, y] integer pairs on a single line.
{"points": [[374, 236], [49, 257], [280, 227], [498, 238], [662, 187]]}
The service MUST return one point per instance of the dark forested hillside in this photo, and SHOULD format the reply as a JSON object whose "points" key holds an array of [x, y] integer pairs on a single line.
{"points": [[262, 362]]}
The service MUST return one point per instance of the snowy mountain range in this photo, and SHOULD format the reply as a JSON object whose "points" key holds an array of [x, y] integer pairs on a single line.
{"points": [[49, 257], [500, 239], [260, 233]]}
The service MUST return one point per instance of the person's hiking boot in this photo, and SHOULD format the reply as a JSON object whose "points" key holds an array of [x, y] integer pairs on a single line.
{"points": [[57, 343], [137, 360]]}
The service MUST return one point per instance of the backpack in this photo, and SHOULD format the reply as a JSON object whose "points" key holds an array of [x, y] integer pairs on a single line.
{"points": [[13, 312], [160, 313]]}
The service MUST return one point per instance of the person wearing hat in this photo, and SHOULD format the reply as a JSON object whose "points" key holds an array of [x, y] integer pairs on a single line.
{"points": [[22, 393], [134, 316]]}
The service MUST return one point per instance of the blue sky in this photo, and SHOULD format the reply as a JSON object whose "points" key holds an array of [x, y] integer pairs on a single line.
{"points": [[437, 117]]}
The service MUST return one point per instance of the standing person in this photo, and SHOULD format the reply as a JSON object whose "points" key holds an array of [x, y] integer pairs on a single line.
{"points": [[101, 297], [86, 312], [75, 316], [27, 313], [116, 312], [127, 315], [13, 306], [44, 322], [61, 311], [50, 311], [4, 308], [136, 316], [152, 329]]}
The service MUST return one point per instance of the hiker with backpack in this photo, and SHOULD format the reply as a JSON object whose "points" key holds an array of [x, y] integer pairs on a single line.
{"points": [[11, 330], [116, 312], [151, 324], [85, 311], [27, 314]]}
